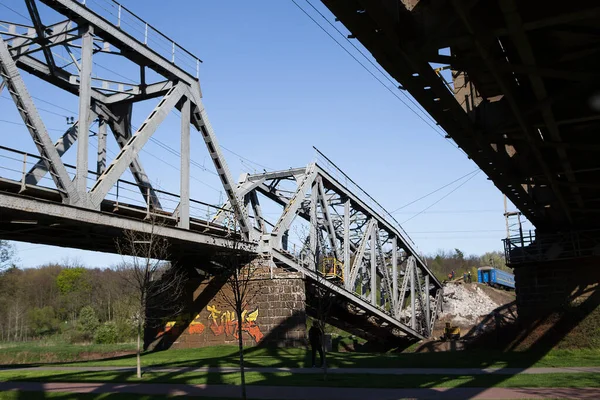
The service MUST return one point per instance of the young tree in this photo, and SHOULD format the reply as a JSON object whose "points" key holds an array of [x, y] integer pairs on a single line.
{"points": [[88, 322], [157, 285], [239, 272]]}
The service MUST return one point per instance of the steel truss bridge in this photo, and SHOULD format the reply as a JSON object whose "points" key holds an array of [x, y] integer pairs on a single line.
{"points": [[381, 284]]}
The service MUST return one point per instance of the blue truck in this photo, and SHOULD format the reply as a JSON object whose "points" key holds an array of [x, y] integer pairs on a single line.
{"points": [[495, 277]]}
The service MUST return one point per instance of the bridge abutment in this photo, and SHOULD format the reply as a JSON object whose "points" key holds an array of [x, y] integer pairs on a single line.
{"points": [[545, 287], [273, 316]]}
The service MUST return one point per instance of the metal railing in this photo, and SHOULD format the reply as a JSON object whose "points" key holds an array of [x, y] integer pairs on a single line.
{"points": [[142, 31], [16, 165], [532, 247]]}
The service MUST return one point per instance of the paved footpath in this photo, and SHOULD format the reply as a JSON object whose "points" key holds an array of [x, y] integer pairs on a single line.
{"points": [[301, 393], [342, 371]]}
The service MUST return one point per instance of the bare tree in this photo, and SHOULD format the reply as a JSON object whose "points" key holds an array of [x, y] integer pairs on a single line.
{"points": [[240, 271], [157, 285]]}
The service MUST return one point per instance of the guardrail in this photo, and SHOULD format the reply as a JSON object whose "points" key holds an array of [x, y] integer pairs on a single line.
{"points": [[136, 27], [16, 164], [532, 247]]}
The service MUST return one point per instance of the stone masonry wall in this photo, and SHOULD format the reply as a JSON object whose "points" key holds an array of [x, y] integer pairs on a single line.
{"points": [[274, 316], [546, 287]]}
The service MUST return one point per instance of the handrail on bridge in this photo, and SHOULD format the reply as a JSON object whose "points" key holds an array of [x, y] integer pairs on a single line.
{"points": [[535, 247], [24, 173], [166, 47]]}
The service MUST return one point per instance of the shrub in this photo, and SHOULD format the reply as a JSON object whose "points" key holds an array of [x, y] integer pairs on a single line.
{"points": [[88, 322], [77, 337], [107, 334], [126, 330], [42, 321]]}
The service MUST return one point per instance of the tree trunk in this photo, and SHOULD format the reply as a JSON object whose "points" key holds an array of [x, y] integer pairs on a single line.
{"points": [[324, 350], [241, 348], [138, 356]]}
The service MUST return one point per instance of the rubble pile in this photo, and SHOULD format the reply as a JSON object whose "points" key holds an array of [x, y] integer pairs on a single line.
{"points": [[464, 304]]}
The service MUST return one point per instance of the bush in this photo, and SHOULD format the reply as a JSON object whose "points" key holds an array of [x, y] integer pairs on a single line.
{"points": [[107, 334], [126, 331], [77, 337], [42, 321], [88, 322]]}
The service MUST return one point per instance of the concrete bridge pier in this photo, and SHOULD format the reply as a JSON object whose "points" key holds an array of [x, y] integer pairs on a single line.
{"points": [[553, 271], [545, 287], [274, 313]]}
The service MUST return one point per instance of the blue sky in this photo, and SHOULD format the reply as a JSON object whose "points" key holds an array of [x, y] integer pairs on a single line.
{"points": [[274, 85]]}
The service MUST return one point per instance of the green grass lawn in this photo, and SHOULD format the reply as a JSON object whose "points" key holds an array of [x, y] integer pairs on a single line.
{"points": [[282, 357], [289, 379], [40, 352], [289, 357]]}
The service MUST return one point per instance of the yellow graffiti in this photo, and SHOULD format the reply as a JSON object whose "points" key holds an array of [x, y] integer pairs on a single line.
{"points": [[214, 313], [228, 323], [251, 316]]}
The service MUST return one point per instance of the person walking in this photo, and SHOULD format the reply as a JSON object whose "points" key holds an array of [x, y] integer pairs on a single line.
{"points": [[469, 277], [315, 337]]}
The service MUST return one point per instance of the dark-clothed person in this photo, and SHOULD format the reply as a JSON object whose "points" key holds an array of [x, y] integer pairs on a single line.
{"points": [[315, 337]]}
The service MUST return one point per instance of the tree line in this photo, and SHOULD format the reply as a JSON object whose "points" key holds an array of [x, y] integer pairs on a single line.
{"points": [[68, 300], [79, 304], [443, 262]]}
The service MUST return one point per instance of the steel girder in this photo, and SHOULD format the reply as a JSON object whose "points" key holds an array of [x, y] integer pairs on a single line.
{"points": [[108, 100], [331, 222]]}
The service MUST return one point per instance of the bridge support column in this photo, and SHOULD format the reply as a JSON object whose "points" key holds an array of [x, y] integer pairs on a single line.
{"points": [[549, 286], [184, 199], [85, 89], [274, 316]]}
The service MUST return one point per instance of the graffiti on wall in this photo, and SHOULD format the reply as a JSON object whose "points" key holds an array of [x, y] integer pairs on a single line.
{"points": [[196, 327], [224, 322]]}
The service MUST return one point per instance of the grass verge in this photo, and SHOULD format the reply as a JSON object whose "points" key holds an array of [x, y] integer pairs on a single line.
{"points": [[289, 379], [118, 355], [262, 357]]}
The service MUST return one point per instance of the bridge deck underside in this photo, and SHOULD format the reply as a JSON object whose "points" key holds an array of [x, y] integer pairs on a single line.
{"points": [[525, 100], [40, 220]]}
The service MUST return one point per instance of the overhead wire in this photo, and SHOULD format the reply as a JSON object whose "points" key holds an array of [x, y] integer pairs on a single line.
{"points": [[144, 150], [377, 78], [442, 198], [433, 192], [376, 66], [454, 212], [15, 11]]}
